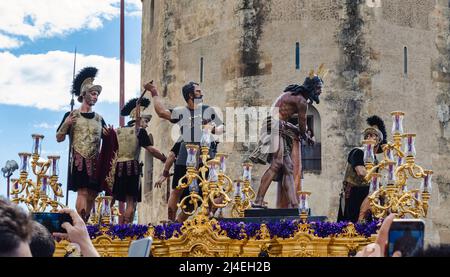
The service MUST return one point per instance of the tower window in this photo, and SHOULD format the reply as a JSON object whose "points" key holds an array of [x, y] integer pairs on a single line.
{"points": [[405, 60], [297, 55], [152, 14], [201, 70]]}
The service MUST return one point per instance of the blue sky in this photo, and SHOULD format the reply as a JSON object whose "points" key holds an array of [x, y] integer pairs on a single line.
{"points": [[36, 63]]}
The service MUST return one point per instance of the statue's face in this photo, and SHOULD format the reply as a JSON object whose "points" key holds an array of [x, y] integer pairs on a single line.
{"points": [[91, 97], [318, 85], [144, 122]]}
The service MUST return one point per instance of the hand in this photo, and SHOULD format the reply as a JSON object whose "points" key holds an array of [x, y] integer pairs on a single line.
{"points": [[152, 88], [71, 119], [378, 248], [77, 233], [106, 131], [160, 181]]}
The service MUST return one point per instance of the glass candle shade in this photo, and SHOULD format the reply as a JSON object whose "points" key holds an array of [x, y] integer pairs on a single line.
{"points": [[222, 165], [397, 125], [247, 175], [391, 173], [237, 190], [205, 140], [375, 183], [24, 160], [54, 169], [243, 196], [427, 185], [399, 161], [194, 187], [369, 156], [410, 148], [37, 143], [213, 166], [106, 207], [389, 153], [44, 185], [303, 205], [191, 160]]}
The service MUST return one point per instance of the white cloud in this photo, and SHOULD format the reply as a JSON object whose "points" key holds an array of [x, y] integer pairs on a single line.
{"points": [[45, 125], [7, 42], [44, 80], [48, 18]]}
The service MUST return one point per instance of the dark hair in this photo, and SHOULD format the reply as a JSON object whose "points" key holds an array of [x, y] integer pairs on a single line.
{"points": [[42, 243], [442, 250], [15, 227], [188, 89]]}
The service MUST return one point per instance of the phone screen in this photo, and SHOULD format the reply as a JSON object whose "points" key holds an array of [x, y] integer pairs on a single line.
{"points": [[140, 248], [406, 236], [52, 221]]}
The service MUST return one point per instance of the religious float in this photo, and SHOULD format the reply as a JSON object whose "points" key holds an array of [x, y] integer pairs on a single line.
{"points": [[244, 234]]}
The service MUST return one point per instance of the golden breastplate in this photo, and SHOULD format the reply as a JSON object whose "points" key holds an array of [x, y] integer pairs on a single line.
{"points": [[352, 178], [129, 149], [87, 134]]}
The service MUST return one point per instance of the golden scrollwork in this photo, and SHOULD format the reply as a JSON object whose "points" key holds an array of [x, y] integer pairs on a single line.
{"points": [[394, 196]]}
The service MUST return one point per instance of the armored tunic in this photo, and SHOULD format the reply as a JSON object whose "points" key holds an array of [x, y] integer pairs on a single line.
{"points": [[86, 135], [128, 168], [128, 144], [354, 189]]}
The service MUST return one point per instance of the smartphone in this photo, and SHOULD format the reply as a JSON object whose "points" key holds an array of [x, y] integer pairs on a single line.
{"points": [[53, 221], [406, 236], [140, 248]]}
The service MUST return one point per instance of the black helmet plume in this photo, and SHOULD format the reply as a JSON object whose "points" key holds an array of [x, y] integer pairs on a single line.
{"points": [[131, 105], [87, 72]]}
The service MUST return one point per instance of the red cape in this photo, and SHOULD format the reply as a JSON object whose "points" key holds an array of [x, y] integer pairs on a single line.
{"points": [[107, 161]]}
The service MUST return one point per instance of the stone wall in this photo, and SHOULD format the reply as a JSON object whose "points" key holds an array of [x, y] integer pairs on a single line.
{"points": [[248, 49]]}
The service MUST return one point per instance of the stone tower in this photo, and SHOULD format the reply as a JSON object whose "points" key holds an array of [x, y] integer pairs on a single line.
{"points": [[383, 55]]}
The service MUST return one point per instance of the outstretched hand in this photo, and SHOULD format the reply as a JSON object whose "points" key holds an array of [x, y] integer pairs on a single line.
{"points": [[107, 131], [160, 181], [77, 233]]}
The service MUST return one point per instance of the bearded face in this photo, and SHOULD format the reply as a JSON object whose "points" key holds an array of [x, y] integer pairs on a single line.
{"points": [[314, 87]]}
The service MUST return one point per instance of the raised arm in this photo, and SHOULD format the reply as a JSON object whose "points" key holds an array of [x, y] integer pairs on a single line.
{"points": [[160, 110]]}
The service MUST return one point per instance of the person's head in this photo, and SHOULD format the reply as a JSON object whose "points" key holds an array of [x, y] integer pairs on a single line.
{"points": [[310, 133], [372, 134], [83, 86], [135, 109], [192, 93], [90, 97], [15, 230], [145, 120], [42, 243], [313, 87]]}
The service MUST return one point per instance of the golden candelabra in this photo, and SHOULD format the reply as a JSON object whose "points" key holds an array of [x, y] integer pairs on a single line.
{"points": [[400, 165], [35, 195], [104, 211], [214, 187], [244, 193]]}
